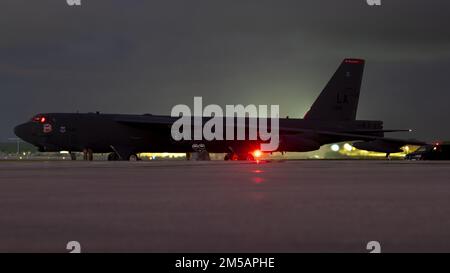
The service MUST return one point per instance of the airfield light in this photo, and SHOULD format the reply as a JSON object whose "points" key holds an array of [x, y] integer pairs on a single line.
{"points": [[335, 147], [257, 153], [348, 147]]}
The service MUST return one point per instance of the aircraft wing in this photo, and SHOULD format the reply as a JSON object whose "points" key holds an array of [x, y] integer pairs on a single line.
{"points": [[144, 122], [354, 136], [368, 142], [362, 131], [157, 125]]}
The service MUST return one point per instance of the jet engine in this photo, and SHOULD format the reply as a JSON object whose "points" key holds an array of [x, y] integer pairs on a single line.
{"points": [[297, 143], [379, 145]]}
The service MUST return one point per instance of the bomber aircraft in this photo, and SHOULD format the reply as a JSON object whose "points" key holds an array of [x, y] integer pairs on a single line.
{"points": [[331, 119]]}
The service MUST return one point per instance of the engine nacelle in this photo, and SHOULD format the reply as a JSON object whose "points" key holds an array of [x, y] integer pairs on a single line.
{"points": [[379, 145], [295, 143]]}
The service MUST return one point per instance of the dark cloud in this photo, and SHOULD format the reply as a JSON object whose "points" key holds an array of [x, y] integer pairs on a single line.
{"points": [[145, 56]]}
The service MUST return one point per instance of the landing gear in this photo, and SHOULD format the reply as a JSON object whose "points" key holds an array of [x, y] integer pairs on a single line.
{"points": [[200, 156], [240, 156], [250, 157], [200, 153], [88, 155], [123, 153], [231, 156], [133, 157], [113, 157]]}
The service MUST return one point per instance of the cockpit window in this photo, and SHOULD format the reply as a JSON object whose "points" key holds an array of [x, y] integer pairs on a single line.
{"points": [[40, 119]]}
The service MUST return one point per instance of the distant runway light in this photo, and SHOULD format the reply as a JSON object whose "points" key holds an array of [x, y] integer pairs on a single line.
{"points": [[335, 147]]}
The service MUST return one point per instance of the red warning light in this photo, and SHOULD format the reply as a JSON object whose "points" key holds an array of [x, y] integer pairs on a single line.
{"points": [[42, 120], [257, 153]]}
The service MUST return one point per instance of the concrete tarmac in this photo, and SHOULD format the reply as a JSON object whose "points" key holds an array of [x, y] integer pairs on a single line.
{"points": [[290, 206]]}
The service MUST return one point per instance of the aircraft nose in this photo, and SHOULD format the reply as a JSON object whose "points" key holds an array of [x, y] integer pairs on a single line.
{"points": [[23, 131]]}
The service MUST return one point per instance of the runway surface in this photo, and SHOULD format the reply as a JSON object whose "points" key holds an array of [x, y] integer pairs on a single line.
{"points": [[291, 206]]}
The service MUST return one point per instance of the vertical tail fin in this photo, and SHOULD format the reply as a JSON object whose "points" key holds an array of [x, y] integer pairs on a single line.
{"points": [[339, 99]]}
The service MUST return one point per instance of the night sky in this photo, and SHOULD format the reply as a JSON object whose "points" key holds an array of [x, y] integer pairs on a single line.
{"points": [[132, 56]]}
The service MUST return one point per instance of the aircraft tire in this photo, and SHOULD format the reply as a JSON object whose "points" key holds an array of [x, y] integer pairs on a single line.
{"points": [[133, 157]]}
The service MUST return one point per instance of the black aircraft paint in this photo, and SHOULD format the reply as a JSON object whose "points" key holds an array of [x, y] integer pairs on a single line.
{"points": [[437, 151], [332, 118]]}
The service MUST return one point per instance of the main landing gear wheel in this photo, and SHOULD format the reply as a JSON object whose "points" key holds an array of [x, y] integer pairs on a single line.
{"points": [[115, 157], [133, 157]]}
